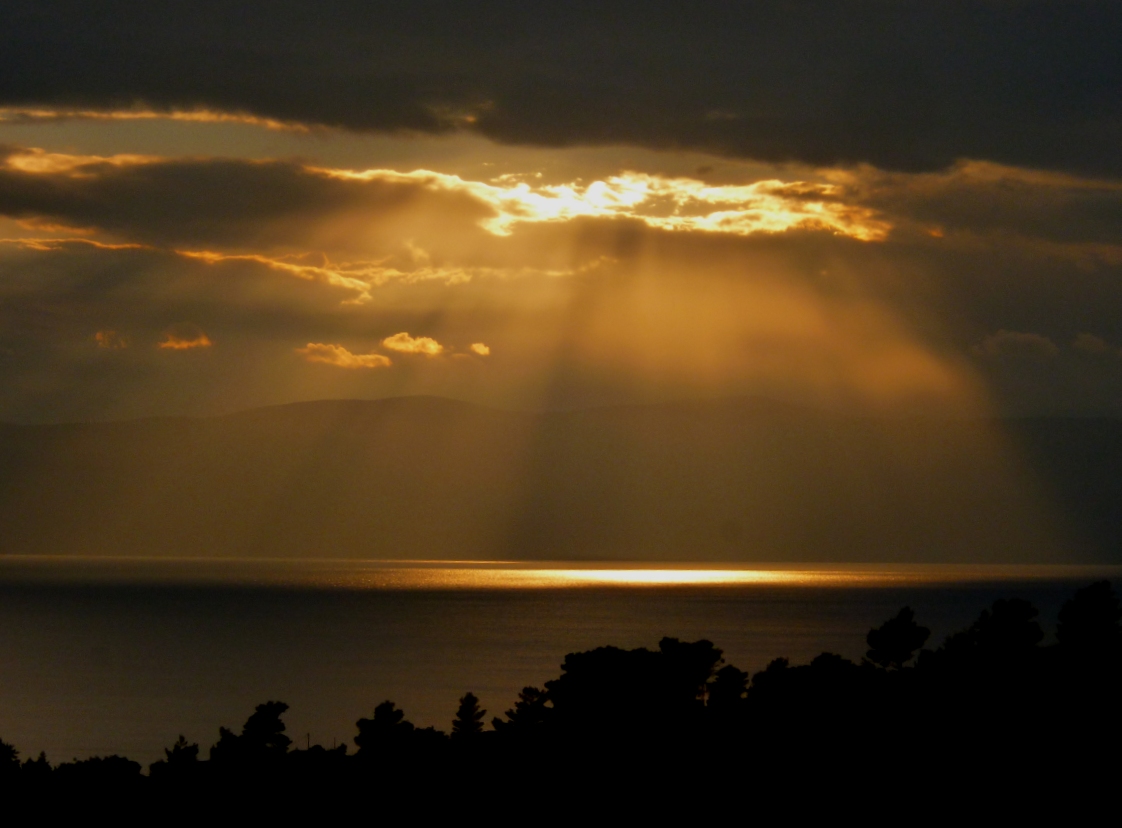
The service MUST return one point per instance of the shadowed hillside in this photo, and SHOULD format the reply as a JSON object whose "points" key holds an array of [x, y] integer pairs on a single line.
{"points": [[423, 477]]}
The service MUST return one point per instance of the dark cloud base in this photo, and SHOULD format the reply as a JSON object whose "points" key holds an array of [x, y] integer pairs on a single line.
{"points": [[902, 85]]}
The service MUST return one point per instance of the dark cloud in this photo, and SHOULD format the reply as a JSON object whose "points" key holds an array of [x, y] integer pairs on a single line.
{"points": [[1092, 345], [906, 84], [1031, 374], [210, 201], [984, 198], [1016, 345]]}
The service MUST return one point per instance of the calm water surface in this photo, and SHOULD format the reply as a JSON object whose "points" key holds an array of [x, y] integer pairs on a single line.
{"points": [[102, 657]]}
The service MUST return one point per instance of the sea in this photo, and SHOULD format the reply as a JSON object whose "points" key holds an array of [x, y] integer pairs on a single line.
{"points": [[121, 656]]}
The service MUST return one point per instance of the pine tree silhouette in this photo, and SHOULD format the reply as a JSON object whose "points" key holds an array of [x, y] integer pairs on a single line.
{"points": [[469, 717]]}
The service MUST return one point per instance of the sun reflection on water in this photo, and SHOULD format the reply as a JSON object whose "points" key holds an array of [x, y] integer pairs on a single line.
{"points": [[505, 575], [640, 577], [440, 575], [520, 576]]}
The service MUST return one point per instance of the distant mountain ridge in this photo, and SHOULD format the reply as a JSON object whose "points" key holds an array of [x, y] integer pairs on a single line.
{"points": [[427, 477]]}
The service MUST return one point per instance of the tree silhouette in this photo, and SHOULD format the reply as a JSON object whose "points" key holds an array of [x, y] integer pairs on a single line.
{"points": [[530, 712], [469, 717], [727, 689], [689, 666], [265, 730], [37, 769], [9, 759], [262, 737], [1006, 631], [893, 643], [387, 730], [1090, 623], [182, 753], [769, 682], [100, 771]]}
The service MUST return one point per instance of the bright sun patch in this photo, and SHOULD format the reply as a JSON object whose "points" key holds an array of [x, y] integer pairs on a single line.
{"points": [[673, 204]]}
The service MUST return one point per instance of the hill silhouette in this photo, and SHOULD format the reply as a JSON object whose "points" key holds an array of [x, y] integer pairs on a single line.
{"points": [[423, 477]]}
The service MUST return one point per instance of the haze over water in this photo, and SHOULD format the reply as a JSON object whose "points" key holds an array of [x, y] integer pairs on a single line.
{"points": [[120, 656]]}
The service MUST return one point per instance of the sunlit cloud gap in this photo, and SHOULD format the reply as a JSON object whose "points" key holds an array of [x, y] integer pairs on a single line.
{"points": [[673, 204]]}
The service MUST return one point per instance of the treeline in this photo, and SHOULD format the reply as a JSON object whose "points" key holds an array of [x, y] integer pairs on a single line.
{"points": [[991, 706]]}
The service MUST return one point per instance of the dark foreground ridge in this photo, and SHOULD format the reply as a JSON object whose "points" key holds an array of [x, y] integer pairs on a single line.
{"points": [[990, 713]]}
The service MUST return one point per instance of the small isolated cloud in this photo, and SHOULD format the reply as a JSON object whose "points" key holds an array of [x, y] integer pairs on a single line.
{"points": [[480, 348], [184, 338], [1090, 344], [110, 340], [1016, 344], [340, 357], [407, 344]]}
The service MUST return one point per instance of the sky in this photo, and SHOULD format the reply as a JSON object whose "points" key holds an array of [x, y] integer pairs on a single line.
{"points": [[876, 205]]}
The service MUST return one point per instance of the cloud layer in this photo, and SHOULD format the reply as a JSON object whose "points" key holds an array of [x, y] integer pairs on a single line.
{"points": [[902, 85], [851, 286]]}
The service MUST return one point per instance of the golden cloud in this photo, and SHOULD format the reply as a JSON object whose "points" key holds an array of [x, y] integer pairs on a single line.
{"points": [[38, 225], [340, 357], [185, 338], [407, 344], [357, 278], [48, 245], [40, 162], [480, 348], [361, 277], [111, 340], [205, 116]]}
